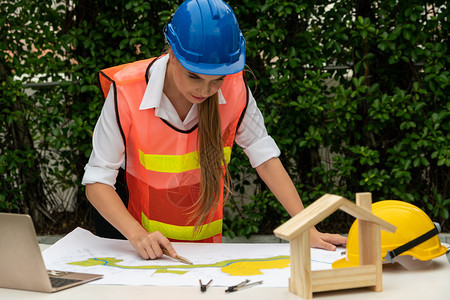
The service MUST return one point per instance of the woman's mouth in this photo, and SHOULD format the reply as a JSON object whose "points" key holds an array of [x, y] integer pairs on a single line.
{"points": [[198, 98]]}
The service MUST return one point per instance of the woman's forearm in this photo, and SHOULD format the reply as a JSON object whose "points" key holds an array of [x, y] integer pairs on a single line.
{"points": [[277, 179], [108, 203]]}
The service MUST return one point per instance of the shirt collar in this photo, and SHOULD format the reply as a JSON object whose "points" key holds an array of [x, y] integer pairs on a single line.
{"points": [[154, 92]]}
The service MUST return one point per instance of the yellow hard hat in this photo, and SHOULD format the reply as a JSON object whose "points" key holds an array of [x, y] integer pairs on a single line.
{"points": [[416, 234]]}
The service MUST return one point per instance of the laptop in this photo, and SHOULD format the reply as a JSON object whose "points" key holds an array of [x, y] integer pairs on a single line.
{"points": [[21, 263]]}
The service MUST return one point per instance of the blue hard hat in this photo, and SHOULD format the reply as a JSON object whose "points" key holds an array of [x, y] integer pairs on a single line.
{"points": [[205, 37]]}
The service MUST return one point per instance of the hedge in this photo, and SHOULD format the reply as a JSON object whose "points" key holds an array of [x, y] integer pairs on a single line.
{"points": [[354, 92]]}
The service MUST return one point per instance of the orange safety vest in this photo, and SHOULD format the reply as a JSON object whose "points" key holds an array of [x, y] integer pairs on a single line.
{"points": [[162, 166]]}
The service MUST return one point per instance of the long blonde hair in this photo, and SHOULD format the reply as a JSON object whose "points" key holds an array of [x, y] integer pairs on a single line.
{"points": [[213, 166]]}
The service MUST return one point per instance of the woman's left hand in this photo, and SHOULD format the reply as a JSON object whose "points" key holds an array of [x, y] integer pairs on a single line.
{"points": [[326, 241]]}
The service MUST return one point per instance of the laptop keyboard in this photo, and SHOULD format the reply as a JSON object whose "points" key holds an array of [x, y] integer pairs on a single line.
{"points": [[59, 282]]}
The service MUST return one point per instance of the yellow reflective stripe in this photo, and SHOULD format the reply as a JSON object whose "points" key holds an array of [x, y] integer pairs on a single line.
{"points": [[175, 163], [185, 233]]}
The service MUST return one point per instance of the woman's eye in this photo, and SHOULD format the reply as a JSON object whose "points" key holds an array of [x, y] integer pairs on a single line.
{"points": [[217, 82]]}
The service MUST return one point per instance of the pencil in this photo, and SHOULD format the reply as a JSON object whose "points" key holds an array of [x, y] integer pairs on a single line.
{"points": [[179, 258]]}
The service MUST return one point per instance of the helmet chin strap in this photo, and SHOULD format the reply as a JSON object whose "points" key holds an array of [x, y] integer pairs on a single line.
{"points": [[390, 255]]}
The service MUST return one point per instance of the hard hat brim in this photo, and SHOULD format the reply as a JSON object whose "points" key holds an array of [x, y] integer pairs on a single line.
{"points": [[213, 69]]}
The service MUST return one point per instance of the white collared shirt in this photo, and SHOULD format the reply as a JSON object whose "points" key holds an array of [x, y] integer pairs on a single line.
{"points": [[108, 149]]}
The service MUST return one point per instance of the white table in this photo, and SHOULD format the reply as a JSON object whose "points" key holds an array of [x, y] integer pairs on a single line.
{"points": [[432, 284]]}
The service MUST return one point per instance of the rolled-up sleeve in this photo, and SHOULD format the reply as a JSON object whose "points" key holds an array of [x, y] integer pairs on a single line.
{"points": [[262, 151], [252, 136], [94, 174]]}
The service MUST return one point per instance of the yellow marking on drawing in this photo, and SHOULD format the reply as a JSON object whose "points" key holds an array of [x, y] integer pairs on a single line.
{"points": [[250, 268]]}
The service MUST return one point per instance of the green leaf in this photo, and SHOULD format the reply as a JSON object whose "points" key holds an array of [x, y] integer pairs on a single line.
{"points": [[364, 34], [382, 46], [407, 34]]}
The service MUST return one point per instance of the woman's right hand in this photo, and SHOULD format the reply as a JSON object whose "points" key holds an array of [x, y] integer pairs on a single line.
{"points": [[150, 245], [108, 203]]}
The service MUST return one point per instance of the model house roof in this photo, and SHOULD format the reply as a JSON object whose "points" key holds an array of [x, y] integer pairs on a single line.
{"points": [[322, 208]]}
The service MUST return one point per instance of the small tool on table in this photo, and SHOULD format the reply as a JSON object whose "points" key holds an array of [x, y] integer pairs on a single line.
{"points": [[203, 287], [179, 258], [243, 285]]}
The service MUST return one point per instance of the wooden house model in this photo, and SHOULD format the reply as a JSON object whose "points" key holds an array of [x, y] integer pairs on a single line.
{"points": [[303, 281]]}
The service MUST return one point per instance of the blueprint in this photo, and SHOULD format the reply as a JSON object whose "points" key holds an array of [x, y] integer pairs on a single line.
{"points": [[227, 263]]}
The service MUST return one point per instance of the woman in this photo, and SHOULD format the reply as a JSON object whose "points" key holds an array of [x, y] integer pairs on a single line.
{"points": [[169, 124]]}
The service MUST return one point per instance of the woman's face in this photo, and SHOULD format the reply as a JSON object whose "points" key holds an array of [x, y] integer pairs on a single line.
{"points": [[194, 87]]}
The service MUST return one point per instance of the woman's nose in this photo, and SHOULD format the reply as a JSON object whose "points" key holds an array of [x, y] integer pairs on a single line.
{"points": [[205, 90]]}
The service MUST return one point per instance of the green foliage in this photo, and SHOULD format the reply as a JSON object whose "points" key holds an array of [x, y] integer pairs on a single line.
{"points": [[355, 96], [259, 216], [29, 48], [382, 125]]}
